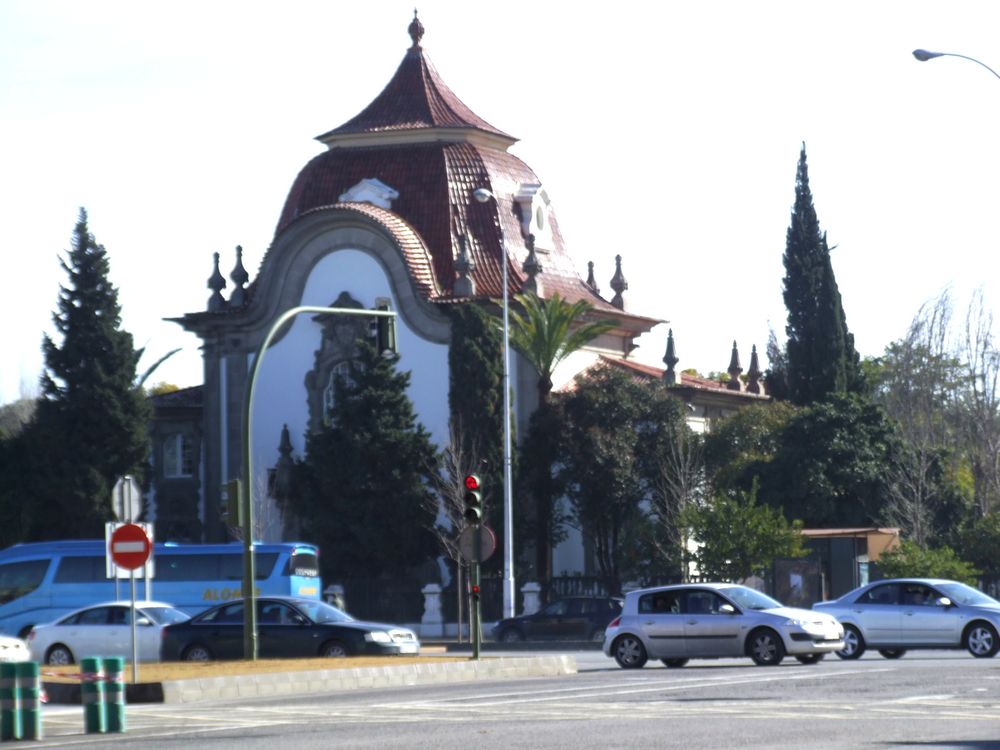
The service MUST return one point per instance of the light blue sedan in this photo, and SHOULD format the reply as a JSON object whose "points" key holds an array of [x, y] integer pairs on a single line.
{"points": [[899, 614]]}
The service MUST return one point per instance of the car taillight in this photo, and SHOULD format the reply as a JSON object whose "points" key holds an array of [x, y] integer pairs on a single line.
{"points": [[615, 622]]}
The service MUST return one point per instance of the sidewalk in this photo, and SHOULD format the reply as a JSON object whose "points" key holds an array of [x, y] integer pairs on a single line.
{"points": [[328, 680]]}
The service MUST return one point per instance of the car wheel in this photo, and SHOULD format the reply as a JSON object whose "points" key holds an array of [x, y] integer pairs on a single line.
{"points": [[196, 652], [981, 640], [854, 643], [674, 663], [892, 653], [766, 648], [511, 635], [333, 650], [810, 658], [629, 652], [59, 655]]}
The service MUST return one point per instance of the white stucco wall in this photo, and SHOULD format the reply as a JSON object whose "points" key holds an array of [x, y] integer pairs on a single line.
{"points": [[283, 371]]}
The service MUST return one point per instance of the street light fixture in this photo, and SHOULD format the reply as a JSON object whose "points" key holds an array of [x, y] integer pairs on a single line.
{"points": [[924, 55], [482, 195]]}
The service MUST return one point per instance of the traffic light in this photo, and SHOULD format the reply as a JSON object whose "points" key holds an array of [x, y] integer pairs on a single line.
{"points": [[475, 592], [384, 329], [473, 500], [230, 507]]}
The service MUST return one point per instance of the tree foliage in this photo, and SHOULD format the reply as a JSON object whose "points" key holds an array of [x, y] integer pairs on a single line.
{"points": [[829, 469], [738, 538], [615, 443], [475, 400], [91, 425], [910, 560], [820, 354], [367, 475], [549, 331]]}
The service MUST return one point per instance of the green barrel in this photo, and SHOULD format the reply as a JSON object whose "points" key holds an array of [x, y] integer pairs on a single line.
{"points": [[10, 715], [95, 715], [114, 680], [29, 693]]}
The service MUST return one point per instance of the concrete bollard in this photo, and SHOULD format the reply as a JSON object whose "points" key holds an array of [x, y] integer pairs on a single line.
{"points": [[114, 669], [29, 694], [10, 713], [95, 716]]}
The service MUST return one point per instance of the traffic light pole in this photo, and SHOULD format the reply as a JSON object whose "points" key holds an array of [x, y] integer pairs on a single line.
{"points": [[476, 616], [246, 487]]}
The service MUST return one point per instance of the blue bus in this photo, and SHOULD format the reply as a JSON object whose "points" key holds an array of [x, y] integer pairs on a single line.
{"points": [[41, 581]]}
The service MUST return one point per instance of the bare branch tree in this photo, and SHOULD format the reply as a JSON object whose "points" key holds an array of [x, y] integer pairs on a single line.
{"points": [[982, 425], [919, 391], [679, 482]]}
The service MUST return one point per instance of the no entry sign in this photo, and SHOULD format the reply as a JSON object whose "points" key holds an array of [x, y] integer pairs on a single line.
{"points": [[130, 546]]}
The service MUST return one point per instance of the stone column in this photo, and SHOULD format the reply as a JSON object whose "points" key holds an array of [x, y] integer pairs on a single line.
{"points": [[531, 591], [432, 623]]}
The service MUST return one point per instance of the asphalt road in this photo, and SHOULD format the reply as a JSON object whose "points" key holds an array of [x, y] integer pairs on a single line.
{"points": [[924, 700]]}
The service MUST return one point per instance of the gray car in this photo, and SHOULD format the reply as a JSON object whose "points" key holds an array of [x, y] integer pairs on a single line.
{"points": [[713, 620], [898, 614]]}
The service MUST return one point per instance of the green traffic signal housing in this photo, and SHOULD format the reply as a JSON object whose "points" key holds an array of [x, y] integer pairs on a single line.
{"points": [[473, 499]]}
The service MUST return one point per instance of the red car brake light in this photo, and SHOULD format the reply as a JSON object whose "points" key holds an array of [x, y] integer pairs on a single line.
{"points": [[615, 622]]}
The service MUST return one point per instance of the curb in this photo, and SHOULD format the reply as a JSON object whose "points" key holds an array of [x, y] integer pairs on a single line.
{"points": [[328, 680]]}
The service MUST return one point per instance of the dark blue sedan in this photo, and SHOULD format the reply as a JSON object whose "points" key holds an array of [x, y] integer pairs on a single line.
{"points": [[287, 627]]}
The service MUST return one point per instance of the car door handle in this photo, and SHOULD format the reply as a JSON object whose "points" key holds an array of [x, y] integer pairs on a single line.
{"points": [[692, 622], [908, 614]]}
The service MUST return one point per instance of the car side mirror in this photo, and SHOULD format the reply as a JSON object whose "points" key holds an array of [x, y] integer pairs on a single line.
{"points": [[299, 619], [143, 621], [727, 609], [943, 601]]}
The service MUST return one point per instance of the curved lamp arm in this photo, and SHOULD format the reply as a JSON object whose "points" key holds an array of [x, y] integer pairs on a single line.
{"points": [[924, 55]]}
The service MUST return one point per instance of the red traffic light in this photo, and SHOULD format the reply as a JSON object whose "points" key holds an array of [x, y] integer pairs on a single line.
{"points": [[472, 482], [475, 589]]}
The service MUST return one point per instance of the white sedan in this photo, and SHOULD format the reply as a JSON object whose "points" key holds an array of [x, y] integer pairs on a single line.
{"points": [[103, 630]]}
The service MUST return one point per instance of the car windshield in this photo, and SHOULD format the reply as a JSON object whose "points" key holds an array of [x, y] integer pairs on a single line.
{"points": [[318, 611], [165, 615], [962, 594], [748, 598]]}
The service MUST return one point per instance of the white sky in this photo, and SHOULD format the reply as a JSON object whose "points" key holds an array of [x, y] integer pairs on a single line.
{"points": [[667, 132]]}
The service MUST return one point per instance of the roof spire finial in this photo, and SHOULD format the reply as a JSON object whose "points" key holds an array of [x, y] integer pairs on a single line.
{"points": [[240, 277], [754, 374], [591, 281], [416, 30], [216, 283], [735, 368], [618, 284], [670, 359]]}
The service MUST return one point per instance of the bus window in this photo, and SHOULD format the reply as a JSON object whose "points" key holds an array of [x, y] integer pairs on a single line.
{"points": [[81, 570], [232, 566], [20, 578], [303, 562]]}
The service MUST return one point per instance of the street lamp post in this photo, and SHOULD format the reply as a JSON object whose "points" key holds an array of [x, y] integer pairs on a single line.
{"points": [[482, 195], [924, 55], [246, 485]]}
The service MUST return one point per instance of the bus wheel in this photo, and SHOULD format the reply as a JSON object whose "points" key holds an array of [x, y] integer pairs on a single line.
{"points": [[59, 655]]}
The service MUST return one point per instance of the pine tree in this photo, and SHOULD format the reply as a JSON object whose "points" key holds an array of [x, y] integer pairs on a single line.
{"points": [[367, 476], [91, 426], [821, 358]]}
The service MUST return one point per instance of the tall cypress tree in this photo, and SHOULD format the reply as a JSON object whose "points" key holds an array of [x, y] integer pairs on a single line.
{"points": [[367, 475], [92, 422], [821, 358]]}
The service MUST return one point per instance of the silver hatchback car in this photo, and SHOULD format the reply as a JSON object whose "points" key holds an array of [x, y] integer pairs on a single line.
{"points": [[713, 620], [916, 613]]}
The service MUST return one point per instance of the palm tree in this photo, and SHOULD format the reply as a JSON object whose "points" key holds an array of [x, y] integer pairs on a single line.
{"points": [[548, 332]]}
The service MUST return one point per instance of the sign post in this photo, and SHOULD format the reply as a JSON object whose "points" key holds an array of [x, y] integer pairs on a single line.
{"points": [[130, 549]]}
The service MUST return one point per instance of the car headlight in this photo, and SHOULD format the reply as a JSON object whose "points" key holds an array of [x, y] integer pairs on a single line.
{"points": [[378, 636]]}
